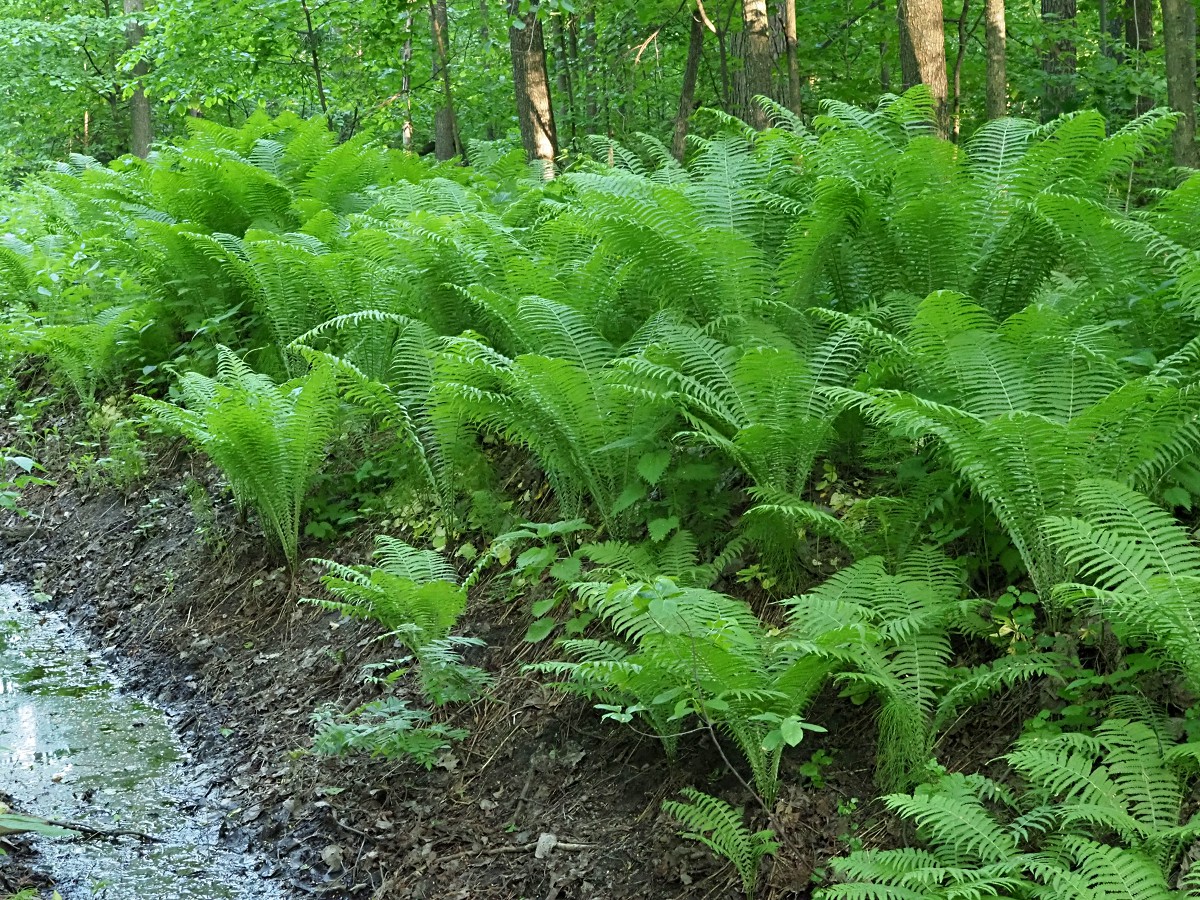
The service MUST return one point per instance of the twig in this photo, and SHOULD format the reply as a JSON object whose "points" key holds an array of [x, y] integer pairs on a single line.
{"points": [[88, 832]]}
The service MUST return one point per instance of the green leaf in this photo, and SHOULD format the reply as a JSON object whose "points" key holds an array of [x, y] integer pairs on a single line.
{"points": [[536, 558], [541, 607], [660, 528], [540, 630], [652, 465]]}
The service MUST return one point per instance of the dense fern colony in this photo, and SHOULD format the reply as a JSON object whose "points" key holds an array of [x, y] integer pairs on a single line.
{"points": [[837, 407]]}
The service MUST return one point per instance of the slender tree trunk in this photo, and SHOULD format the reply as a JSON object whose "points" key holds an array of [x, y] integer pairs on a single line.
{"points": [[958, 64], [315, 56], [141, 126], [532, 85], [927, 34], [910, 74], [448, 144], [406, 133], [1179, 42], [1111, 28], [1058, 61], [562, 72], [793, 55], [687, 95], [885, 69], [1139, 36], [593, 68], [997, 76], [485, 41], [757, 59]]}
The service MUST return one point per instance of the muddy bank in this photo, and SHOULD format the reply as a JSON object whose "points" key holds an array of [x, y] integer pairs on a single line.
{"points": [[212, 631], [219, 639], [74, 748]]}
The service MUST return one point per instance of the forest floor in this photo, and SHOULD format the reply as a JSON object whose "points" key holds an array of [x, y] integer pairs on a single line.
{"points": [[219, 637]]}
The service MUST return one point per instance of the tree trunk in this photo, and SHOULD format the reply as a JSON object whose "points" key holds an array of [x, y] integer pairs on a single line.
{"points": [[314, 55], [1058, 60], [532, 85], [1179, 42], [485, 41], [141, 127], [562, 72], [927, 35], [687, 95], [593, 68], [997, 76], [1139, 36], [910, 75], [406, 134], [1111, 28], [958, 65], [447, 142], [793, 55], [757, 59]]}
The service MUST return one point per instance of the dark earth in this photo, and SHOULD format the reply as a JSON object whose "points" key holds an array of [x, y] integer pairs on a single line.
{"points": [[217, 637]]}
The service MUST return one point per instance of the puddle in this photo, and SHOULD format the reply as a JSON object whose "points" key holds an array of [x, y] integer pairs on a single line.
{"points": [[73, 748]]}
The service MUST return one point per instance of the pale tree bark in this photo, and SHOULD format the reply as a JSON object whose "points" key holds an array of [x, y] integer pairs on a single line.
{"points": [[141, 125], [535, 113], [406, 134], [687, 94], [1058, 61], [1179, 42], [997, 75], [447, 143], [793, 55], [1139, 35], [927, 35], [757, 59]]}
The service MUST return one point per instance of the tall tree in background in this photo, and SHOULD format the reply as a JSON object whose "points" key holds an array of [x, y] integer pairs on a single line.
{"points": [[910, 74], [447, 142], [793, 56], [141, 126], [535, 112], [1058, 59], [757, 58], [922, 21], [997, 74], [1179, 42], [687, 93], [1139, 36]]}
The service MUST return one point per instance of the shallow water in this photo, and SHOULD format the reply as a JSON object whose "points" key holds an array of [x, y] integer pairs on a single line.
{"points": [[73, 748]]}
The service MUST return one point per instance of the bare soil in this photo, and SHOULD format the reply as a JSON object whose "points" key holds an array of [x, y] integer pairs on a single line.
{"points": [[219, 638]]}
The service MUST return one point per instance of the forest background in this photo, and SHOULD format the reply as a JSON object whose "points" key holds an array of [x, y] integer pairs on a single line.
{"points": [[102, 78]]}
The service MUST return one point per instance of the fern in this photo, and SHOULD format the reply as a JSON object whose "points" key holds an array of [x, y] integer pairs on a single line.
{"points": [[416, 596], [1099, 817], [268, 439], [1143, 569], [719, 826]]}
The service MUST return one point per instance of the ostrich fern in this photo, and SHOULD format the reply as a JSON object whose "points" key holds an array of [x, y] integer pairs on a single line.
{"points": [[268, 439], [1142, 569], [1099, 816]]}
